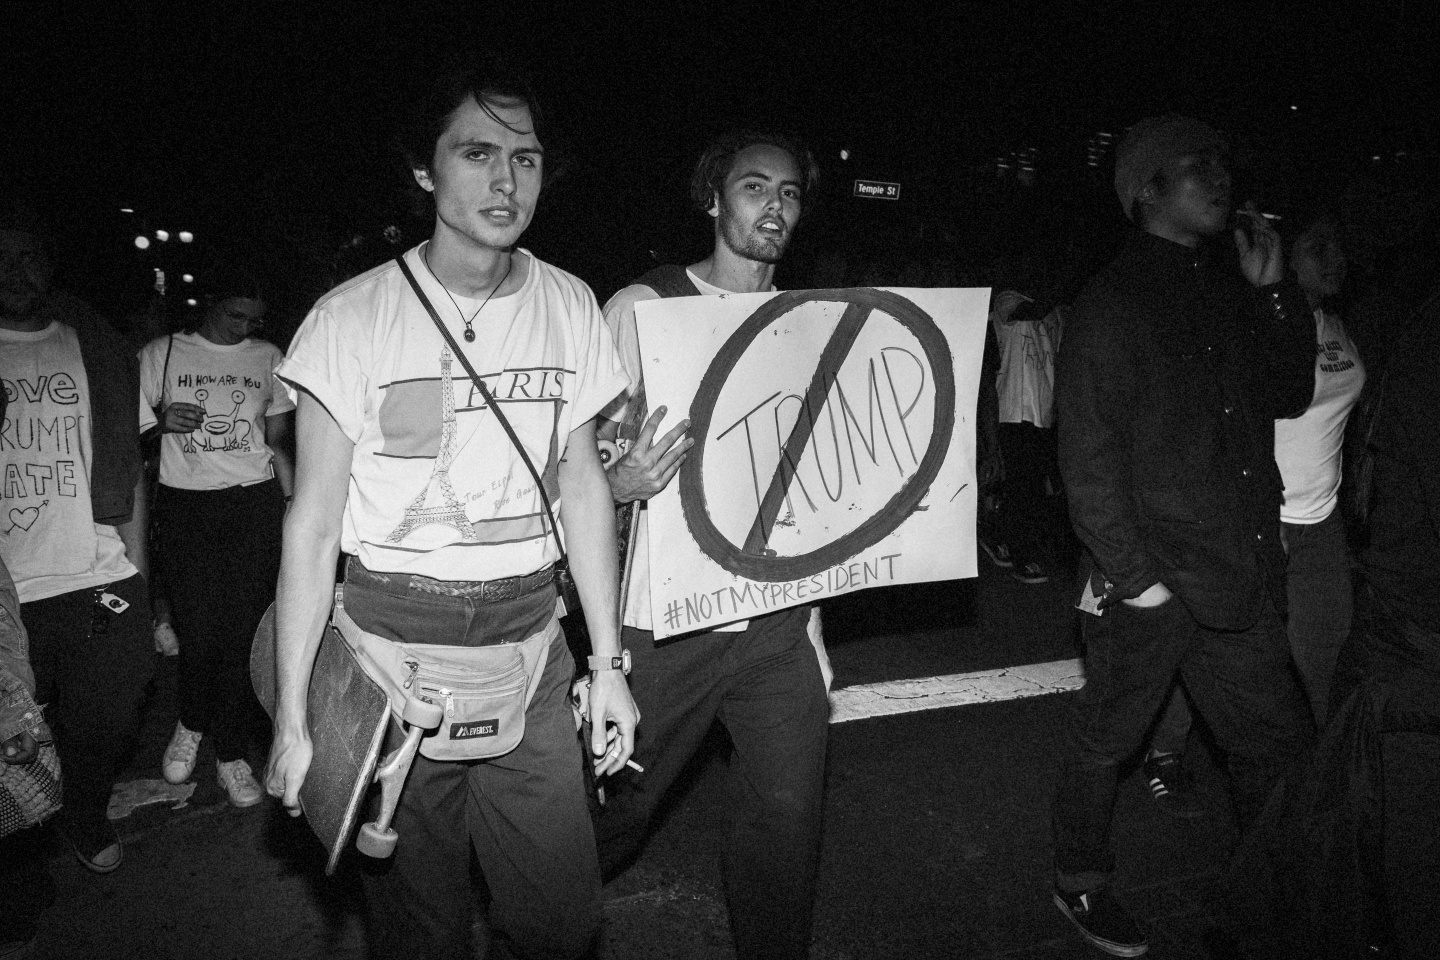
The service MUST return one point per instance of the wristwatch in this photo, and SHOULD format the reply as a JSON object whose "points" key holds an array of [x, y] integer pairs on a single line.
{"points": [[621, 663]]}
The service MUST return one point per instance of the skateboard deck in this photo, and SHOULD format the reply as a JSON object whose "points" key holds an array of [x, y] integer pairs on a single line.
{"points": [[627, 515], [348, 715]]}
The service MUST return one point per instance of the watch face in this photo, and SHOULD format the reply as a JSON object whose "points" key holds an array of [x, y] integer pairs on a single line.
{"points": [[621, 663]]}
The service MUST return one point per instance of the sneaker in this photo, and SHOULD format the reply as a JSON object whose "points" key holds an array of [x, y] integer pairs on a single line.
{"points": [[240, 783], [1102, 921], [998, 553], [1170, 786], [179, 760], [1030, 571], [98, 849]]}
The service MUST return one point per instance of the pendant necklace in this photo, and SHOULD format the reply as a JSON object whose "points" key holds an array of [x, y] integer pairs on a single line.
{"points": [[469, 329]]}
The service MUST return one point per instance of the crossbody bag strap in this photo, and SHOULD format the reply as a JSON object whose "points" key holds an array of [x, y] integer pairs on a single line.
{"points": [[165, 370], [489, 400]]}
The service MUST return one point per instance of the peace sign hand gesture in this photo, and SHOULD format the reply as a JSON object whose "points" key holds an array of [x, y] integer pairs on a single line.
{"points": [[649, 464]]}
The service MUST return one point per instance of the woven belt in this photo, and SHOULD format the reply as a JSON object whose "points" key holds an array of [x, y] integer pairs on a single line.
{"points": [[486, 591]]}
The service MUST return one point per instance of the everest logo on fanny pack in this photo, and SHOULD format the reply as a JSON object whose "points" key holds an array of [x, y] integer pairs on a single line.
{"points": [[477, 728]]}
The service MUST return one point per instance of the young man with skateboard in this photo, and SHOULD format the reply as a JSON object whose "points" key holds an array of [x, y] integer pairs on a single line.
{"points": [[404, 465]]}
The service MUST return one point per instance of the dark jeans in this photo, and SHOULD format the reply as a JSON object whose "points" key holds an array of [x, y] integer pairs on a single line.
{"points": [[1321, 594], [91, 668], [764, 684], [220, 551], [1385, 646], [1027, 522], [1317, 578], [1241, 683], [524, 814], [26, 887]]}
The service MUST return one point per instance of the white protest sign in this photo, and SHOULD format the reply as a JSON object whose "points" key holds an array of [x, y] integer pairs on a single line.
{"points": [[834, 446]]}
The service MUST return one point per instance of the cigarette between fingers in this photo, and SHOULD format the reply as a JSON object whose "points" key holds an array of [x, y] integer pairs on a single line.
{"points": [[634, 766]]}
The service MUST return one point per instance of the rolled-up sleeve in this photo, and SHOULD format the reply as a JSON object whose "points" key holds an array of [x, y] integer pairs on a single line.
{"points": [[325, 365]]}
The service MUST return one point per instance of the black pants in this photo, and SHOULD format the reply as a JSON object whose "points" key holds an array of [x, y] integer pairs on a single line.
{"points": [[521, 817], [91, 668], [1028, 526], [220, 557], [764, 684], [1241, 682]]}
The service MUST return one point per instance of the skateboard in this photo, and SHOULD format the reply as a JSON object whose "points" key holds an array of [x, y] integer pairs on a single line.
{"points": [[349, 714], [627, 515]]}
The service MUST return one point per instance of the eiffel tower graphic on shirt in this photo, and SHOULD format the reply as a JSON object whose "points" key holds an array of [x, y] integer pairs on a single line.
{"points": [[450, 512]]}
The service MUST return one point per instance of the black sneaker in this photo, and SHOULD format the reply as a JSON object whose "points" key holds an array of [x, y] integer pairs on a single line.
{"points": [[1102, 921], [1030, 571], [1170, 787], [95, 845], [997, 551]]}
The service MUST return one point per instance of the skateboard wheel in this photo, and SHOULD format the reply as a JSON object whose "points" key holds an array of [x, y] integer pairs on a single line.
{"points": [[374, 841], [418, 713]]}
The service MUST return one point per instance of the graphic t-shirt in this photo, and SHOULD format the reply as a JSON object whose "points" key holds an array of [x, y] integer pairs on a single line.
{"points": [[48, 535], [436, 487], [236, 386], [1026, 382], [1308, 448]]}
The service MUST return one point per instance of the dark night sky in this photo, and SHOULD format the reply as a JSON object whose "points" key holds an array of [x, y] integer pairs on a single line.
{"points": [[266, 120]]}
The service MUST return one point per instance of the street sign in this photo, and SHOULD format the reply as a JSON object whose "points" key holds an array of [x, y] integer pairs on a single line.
{"points": [[877, 190]]}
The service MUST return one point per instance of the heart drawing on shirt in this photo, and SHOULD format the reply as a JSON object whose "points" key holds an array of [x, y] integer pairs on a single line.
{"points": [[24, 519]]}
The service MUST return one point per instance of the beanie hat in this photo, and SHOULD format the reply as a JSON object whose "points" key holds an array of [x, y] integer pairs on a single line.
{"points": [[1151, 144]]}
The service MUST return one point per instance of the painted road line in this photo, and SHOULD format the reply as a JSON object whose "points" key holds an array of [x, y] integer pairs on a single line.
{"points": [[955, 690]]}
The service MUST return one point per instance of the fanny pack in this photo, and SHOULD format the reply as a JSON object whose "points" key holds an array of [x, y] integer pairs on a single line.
{"points": [[482, 691]]}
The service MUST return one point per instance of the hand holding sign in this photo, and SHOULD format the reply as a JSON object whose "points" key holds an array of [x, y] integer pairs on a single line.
{"points": [[649, 465]]}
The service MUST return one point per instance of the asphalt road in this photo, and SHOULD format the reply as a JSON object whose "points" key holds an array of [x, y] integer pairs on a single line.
{"points": [[936, 841]]}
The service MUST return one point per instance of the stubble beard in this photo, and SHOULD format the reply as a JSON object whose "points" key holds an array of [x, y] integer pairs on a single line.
{"points": [[747, 244]]}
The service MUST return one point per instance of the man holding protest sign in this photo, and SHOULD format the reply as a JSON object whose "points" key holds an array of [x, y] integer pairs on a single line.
{"points": [[431, 481], [1171, 376], [764, 678]]}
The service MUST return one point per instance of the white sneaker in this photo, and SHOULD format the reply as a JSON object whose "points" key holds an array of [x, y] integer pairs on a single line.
{"points": [[240, 784], [179, 760]]}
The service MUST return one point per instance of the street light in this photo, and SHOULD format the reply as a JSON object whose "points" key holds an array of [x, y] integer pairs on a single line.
{"points": [[186, 236], [143, 242], [188, 277], [162, 235]]}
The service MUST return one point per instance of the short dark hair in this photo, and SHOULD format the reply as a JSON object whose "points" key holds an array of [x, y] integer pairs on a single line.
{"points": [[459, 78], [708, 181], [228, 274], [19, 213]]}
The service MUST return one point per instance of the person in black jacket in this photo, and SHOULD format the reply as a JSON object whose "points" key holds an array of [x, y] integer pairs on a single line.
{"points": [[1172, 373]]}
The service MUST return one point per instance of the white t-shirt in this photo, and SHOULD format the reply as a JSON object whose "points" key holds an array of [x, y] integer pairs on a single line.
{"points": [[436, 487], [236, 386], [1026, 381], [620, 316], [1308, 448], [48, 535]]}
